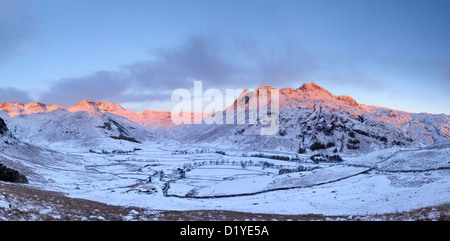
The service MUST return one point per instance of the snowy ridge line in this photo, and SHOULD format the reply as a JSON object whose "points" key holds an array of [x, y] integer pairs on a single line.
{"points": [[267, 190], [311, 114]]}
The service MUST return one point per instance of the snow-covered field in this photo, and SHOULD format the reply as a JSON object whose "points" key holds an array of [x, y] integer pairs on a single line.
{"points": [[385, 181]]}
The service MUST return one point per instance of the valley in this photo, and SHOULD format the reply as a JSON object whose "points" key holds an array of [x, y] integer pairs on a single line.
{"points": [[331, 158], [220, 182]]}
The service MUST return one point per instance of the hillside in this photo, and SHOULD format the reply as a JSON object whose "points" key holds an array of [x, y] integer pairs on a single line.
{"points": [[330, 156], [85, 124], [309, 115], [313, 119], [151, 119]]}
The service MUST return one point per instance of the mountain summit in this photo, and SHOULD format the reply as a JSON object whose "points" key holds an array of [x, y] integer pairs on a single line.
{"points": [[308, 114], [313, 119], [313, 87], [308, 96], [150, 119]]}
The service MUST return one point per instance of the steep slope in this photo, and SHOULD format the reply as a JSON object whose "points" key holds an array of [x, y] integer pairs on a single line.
{"points": [[312, 119], [3, 127], [156, 120], [85, 124], [6, 137], [17, 157]]}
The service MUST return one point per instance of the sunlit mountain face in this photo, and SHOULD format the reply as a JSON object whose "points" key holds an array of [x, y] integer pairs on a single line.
{"points": [[307, 115], [102, 152], [224, 110]]}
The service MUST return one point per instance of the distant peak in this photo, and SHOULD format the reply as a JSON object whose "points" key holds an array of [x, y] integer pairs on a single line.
{"points": [[97, 106], [84, 105], [86, 102], [109, 106], [266, 87], [35, 104], [12, 104], [348, 100], [311, 86]]}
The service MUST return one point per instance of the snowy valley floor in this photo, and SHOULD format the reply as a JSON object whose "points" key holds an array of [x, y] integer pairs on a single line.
{"points": [[22, 203], [392, 184]]}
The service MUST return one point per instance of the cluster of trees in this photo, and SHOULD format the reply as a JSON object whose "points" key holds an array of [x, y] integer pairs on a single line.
{"points": [[318, 145], [299, 168], [325, 158], [180, 152], [275, 157], [260, 155], [243, 164], [125, 138], [10, 175], [397, 143], [190, 166], [181, 172], [197, 151], [353, 144], [301, 150], [221, 153], [114, 151]]}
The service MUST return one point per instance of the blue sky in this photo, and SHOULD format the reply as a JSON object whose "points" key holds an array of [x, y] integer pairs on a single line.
{"points": [[392, 53]]}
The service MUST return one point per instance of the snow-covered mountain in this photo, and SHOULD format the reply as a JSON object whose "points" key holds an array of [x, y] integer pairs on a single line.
{"points": [[152, 119], [75, 150], [6, 137], [86, 124], [310, 119], [16, 154], [313, 119]]}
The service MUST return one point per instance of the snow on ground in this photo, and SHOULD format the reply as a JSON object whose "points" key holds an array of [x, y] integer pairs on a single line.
{"points": [[392, 180], [359, 195], [3, 203], [257, 181]]}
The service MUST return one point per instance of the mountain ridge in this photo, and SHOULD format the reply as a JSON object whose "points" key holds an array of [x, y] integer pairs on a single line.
{"points": [[312, 115], [311, 90], [306, 94], [307, 114]]}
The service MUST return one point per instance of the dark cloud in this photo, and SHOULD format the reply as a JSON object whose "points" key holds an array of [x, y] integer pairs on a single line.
{"points": [[220, 62], [14, 95], [205, 58], [224, 62], [17, 26], [285, 65], [354, 78], [143, 97], [104, 86], [115, 86]]}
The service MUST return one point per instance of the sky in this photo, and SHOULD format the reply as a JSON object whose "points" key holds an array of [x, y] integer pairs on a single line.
{"points": [[390, 53]]}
